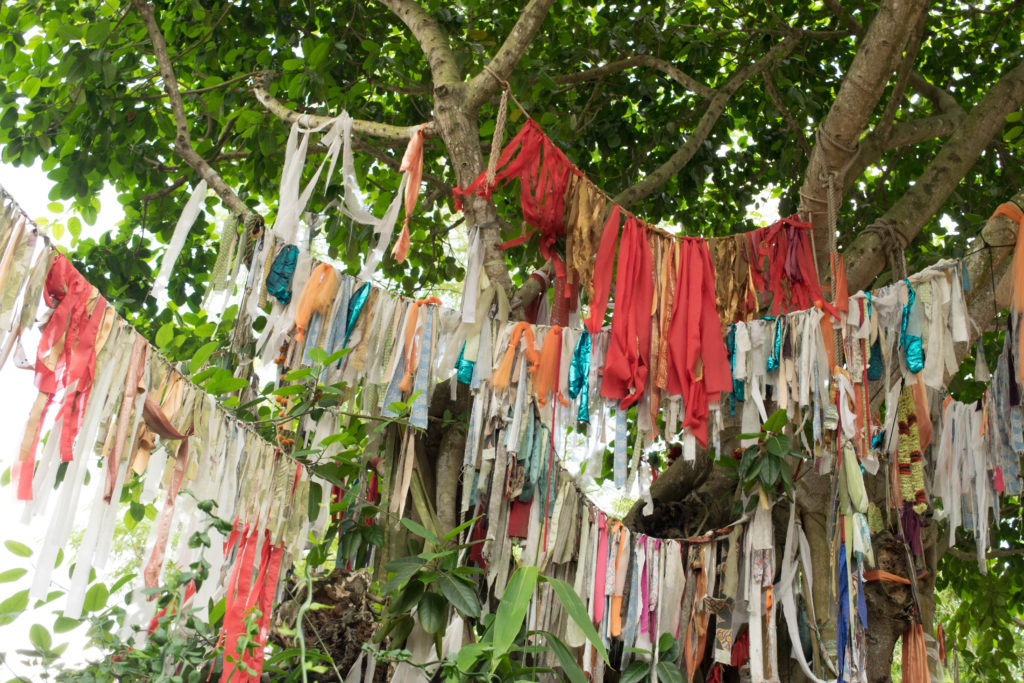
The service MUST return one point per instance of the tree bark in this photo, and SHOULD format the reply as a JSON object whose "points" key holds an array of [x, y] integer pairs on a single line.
{"points": [[862, 87]]}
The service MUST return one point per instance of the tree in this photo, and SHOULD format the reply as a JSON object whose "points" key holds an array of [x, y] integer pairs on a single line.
{"points": [[862, 114]]}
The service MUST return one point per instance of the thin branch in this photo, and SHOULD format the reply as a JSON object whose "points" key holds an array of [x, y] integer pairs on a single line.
{"points": [[183, 139], [384, 131], [152, 196], [716, 106], [498, 70], [791, 123], [650, 61], [990, 555], [197, 91]]}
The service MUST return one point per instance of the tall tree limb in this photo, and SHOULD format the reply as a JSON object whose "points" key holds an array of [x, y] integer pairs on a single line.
{"points": [[863, 85], [497, 71], [716, 106], [675, 73], [183, 138], [917, 206], [432, 38]]}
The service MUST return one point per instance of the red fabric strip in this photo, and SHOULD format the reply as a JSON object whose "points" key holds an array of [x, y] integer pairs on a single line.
{"points": [[629, 346], [698, 365]]}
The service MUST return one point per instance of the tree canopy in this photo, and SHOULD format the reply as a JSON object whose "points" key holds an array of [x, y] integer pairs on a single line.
{"points": [[901, 118]]}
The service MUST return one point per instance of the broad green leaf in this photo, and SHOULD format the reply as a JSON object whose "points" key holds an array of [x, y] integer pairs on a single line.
{"points": [[404, 568], [65, 624], [777, 444], [566, 658], [636, 671], [19, 549], [669, 673], [775, 422], [202, 355], [511, 611], [575, 609], [165, 335], [433, 612], [468, 655], [13, 606], [462, 597], [420, 531], [96, 598], [40, 637], [12, 575]]}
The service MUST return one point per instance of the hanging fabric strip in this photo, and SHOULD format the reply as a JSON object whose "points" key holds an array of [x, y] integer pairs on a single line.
{"points": [[188, 216], [412, 166]]}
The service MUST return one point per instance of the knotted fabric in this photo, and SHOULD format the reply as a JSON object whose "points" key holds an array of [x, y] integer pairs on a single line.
{"points": [[543, 172], [782, 263]]}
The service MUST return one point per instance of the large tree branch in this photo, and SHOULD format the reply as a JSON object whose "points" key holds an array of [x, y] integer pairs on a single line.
{"points": [[497, 71], [861, 89], [372, 129], [650, 61], [432, 39], [916, 207], [716, 106], [905, 133], [183, 138]]}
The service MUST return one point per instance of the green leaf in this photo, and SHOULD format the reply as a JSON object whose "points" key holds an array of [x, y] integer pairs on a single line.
{"points": [[665, 642], [459, 529], [636, 671], [433, 612], [775, 422], [512, 609], [404, 568], [1013, 133], [408, 598], [19, 549], [65, 624], [201, 356], [40, 637], [96, 598], [13, 606], [669, 673], [462, 597], [420, 531], [566, 658], [468, 655], [777, 444], [12, 575], [165, 335], [574, 607]]}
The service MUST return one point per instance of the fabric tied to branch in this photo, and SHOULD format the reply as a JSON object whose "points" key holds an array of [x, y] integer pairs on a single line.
{"points": [[279, 280], [412, 166], [543, 171], [579, 375]]}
